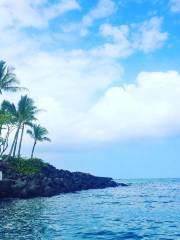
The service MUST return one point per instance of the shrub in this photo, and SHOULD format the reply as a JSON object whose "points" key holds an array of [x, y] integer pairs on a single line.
{"points": [[27, 166]]}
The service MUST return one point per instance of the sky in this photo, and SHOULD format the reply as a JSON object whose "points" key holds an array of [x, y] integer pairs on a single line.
{"points": [[107, 73]]}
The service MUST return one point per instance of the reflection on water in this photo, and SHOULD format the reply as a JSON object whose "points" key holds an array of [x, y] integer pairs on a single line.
{"points": [[148, 209]]}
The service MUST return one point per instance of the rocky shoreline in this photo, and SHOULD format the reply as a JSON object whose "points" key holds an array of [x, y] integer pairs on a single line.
{"points": [[48, 182]]}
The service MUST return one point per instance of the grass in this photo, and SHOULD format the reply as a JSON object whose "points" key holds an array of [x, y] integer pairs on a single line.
{"points": [[27, 166]]}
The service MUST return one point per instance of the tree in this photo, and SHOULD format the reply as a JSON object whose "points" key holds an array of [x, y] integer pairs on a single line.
{"points": [[8, 83], [39, 134], [24, 114], [27, 111], [8, 80], [6, 127]]}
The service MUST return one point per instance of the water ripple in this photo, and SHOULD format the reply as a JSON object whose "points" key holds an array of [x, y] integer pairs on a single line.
{"points": [[148, 209]]}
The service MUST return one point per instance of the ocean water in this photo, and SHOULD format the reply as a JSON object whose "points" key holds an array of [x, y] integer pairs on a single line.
{"points": [[148, 209]]}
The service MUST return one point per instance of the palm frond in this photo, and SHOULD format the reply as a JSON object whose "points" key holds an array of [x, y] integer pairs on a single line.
{"points": [[14, 89], [8, 79], [46, 139], [30, 132], [39, 133], [9, 107]]}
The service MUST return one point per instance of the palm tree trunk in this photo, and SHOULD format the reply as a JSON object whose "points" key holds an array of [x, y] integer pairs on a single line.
{"points": [[1, 129], [15, 141], [20, 143], [6, 143], [11, 150], [13, 144], [32, 153]]}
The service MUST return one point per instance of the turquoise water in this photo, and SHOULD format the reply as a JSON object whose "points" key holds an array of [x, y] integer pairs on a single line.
{"points": [[148, 209]]}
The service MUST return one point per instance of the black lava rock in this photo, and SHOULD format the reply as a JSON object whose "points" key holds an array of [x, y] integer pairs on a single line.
{"points": [[48, 182]]}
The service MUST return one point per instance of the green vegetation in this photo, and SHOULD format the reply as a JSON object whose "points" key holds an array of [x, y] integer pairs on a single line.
{"points": [[8, 80], [15, 118], [27, 166], [39, 134]]}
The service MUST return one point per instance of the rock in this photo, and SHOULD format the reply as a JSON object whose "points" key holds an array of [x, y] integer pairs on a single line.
{"points": [[124, 184], [48, 182], [6, 188]]}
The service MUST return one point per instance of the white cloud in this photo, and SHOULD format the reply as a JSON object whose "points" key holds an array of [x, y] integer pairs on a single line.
{"points": [[175, 6], [120, 45], [103, 9], [149, 36], [65, 84], [147, 108], [72, 78], [60, 8], [124, 40], [30, 13]]}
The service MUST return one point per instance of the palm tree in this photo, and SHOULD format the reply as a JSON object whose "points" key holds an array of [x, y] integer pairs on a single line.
{"points": [[39, 134], [6, 127], [24, 114], [27, 111], [10, 108], [8, 80]]}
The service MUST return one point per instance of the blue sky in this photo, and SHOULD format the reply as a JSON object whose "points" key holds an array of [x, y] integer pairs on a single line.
{"points": [[108, 73]]}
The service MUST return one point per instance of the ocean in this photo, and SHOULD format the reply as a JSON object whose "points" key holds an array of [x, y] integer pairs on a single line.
{"points": [[147, 209]]}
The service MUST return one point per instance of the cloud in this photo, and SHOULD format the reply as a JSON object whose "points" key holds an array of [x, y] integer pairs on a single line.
{"points": [[147, 108], [68, 87], [65, 84], [73, 78], [60, 8], [149, 36], [120, 45], [175, 6], [124, 40], [103, 9], [32, 13]]}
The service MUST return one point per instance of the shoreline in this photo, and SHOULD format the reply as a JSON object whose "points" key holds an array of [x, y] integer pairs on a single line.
{"points": [[48, 182]]}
